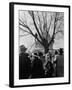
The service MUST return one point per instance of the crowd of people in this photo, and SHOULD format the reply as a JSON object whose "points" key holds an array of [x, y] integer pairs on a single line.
{"points": [[39, 65]]}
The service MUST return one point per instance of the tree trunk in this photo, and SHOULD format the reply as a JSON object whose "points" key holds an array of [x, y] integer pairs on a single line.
{"points": [[46, 50]]}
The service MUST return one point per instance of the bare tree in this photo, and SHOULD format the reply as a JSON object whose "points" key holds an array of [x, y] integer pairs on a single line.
{"points": [[46, 24]]}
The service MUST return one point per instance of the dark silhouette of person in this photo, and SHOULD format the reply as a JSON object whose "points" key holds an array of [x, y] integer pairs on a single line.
{"points": [[50, 69], [40, 54], [24, 66], [60, 64], [37, 68]]}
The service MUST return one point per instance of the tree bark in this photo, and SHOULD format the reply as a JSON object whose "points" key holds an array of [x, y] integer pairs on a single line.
{"points": [[46, 49]]}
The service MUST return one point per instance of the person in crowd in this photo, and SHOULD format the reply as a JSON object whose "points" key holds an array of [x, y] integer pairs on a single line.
{"points": [[49, 67], [37, 68], [60, 64], [56, 54], [54, 62], [24, 64], [40, 54]]}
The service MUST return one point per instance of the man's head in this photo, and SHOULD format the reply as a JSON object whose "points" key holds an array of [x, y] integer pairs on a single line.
{"points": [[23, 49], [61, 51]]}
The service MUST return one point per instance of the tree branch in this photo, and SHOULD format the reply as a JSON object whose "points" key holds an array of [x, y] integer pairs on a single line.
{"points": [[25, 26], [24, 30], [55, 24], [49, 27], [30, 32], [32, 15], [54, 30], [40, 23], [59, 18], [24, 35], [58, 32]]}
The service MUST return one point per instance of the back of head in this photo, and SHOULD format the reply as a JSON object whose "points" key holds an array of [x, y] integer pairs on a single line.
{"points": [[40, 54], [23, 49], [61, 51], [56, 52]]}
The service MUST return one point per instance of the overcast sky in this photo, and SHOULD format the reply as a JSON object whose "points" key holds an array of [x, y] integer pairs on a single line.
{"points": [[29, 40]]}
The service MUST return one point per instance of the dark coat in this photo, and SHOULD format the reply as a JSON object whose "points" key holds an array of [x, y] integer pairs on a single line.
{"points": [[60, 66], [24, 66], [37, 69], [50, 69]]}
